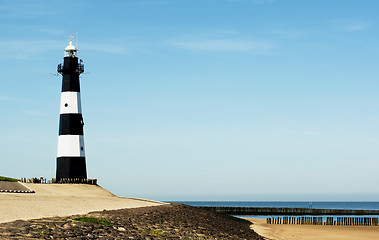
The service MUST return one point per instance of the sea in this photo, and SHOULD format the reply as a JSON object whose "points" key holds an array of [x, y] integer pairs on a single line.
{"points": [[314, 205]]}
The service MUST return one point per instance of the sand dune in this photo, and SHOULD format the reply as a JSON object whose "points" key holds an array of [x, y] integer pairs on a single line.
{"points": [[62, 200], [13, 187], [314, 232]]}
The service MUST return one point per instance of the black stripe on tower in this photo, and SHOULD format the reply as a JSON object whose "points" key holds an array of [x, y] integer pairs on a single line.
{"points": [[71, 124], [71, 167], [70, 71]]}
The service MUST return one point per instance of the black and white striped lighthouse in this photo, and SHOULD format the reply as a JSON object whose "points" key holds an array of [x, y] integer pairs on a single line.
{"points": [[71, 161]]}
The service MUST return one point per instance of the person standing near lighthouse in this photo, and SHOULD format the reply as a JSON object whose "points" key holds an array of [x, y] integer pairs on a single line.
{"points": [[71, 161]]}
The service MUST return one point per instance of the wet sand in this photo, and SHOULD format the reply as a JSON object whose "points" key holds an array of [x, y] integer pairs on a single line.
{"points": [[313, 232], [51, 200]]}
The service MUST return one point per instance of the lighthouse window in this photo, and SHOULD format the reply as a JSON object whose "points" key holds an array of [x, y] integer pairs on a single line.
{"points": [[81, 148], [66, 105]]}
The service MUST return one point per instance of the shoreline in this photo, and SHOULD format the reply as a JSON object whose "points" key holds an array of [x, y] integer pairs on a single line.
{"points": [[313, 232]]}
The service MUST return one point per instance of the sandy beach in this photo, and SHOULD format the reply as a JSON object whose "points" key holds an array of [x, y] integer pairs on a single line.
{"points": [[313, 232], [62, 200]]}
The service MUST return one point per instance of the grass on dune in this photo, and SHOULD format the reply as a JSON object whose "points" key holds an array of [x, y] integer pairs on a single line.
{"points": [[93, 220], [8, 179]]}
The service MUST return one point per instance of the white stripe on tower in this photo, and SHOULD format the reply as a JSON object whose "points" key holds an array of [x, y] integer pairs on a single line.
{"points": [[71, 145], [70, 103], [71, 163]]}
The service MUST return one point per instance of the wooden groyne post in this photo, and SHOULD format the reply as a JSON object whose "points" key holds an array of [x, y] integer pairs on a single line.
{"points": [[262, 211], [338, 221]]}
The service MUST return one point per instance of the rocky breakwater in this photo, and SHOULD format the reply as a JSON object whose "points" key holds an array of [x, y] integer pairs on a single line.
{"points": [[171, 221]]}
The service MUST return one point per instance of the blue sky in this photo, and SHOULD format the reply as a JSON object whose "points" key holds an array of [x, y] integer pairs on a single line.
{"points": [[201, 99]]}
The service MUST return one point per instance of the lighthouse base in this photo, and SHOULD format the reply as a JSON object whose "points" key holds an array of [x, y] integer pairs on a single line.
{"points": [[70, 168]]}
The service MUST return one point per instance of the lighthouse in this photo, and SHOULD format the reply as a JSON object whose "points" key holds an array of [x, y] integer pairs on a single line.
{"points": [[71, 161]]}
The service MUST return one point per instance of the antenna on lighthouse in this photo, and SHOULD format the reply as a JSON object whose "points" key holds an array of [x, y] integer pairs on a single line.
{"points": [[76, 40]]}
